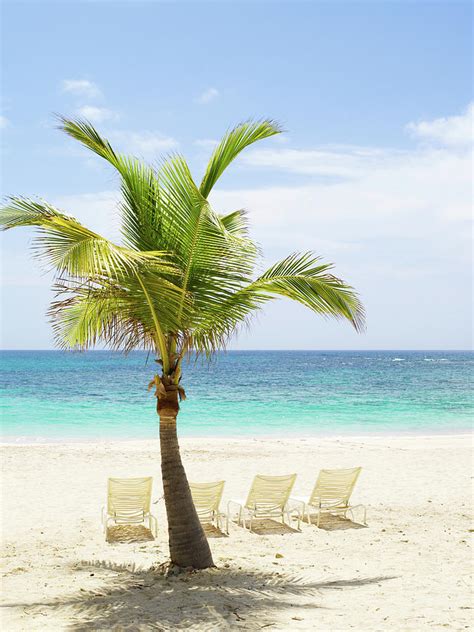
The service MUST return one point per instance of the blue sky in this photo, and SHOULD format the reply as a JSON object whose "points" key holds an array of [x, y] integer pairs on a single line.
{"points": [[373, 172]]}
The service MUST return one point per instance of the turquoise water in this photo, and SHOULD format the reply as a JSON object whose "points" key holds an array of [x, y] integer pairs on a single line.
{"points": [[51, 395]]}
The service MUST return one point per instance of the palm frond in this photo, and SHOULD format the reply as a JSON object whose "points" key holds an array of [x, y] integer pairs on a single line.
{"points": [[84, 132], [299, 277], [302, 278], [117, 314], [215, 262], [233, 142], [70, 247], [91, 315], [140, 206], [236, 223]]}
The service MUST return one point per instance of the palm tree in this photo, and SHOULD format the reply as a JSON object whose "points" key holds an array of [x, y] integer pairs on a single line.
{"points": [[182, 281]]}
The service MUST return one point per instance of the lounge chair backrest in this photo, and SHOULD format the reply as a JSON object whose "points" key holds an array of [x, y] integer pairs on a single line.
{"points": [[129, 497], [334, 487], [207, 496], [270, 491]]}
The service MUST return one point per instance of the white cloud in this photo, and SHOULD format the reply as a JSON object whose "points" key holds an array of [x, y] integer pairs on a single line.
{"points": [[146, 144], [207, 96], [344, 162], [4, 122], [97, 211], [329, 161], [97, 114], [398, 231], [450, 130], [206, 143], [81, 87], [395, 209]]}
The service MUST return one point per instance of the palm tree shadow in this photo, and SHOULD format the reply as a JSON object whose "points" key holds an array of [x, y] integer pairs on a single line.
{"points": [[142, 599]]}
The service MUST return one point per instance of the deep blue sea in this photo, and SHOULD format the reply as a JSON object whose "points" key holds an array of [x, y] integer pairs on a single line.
{"points": [[53, 395]]}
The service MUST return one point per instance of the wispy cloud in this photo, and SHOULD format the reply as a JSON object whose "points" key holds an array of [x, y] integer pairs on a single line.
{"points": [[97, 114], [341, 162], [333, 161], [206, 143], [146, 144], [81, 87], [4, 122], [402, 209], [98, 211], [207, 96], [451, 130], [407, 199]]}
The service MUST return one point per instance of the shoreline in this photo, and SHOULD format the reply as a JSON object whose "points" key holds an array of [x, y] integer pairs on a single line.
{"points": [[464, 433]]}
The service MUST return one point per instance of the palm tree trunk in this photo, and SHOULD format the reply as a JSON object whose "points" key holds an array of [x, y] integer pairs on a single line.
{"points": [[187, 541]]}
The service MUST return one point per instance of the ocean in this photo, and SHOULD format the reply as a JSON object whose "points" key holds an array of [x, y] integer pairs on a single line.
{"points": [[58, 396]]}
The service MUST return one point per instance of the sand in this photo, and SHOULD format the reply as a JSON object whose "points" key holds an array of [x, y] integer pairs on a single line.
{"points": [[410, 569]]}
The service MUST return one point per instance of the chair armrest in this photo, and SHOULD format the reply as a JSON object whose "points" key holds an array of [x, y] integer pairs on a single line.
{"points": [[296, 500], [237, 503]]}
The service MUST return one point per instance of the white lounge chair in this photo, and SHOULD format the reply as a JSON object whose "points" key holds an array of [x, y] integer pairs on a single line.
{"points": [[331, 494], [128, 502], [207, 499], [267, 498]]}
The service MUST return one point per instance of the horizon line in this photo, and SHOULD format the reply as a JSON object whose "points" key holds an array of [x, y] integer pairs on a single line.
{"points": [[234, 350]]}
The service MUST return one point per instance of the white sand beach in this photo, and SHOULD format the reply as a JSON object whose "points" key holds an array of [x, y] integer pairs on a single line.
{"points": [[408, 570]]}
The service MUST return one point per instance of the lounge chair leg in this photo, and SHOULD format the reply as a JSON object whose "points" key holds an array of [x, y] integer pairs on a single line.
{"points": [[106, 526]]}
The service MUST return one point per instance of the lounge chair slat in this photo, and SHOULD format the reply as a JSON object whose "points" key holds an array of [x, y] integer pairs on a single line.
{"points": [[207, 499], [268, 498], [128, 502], [331, 493]]}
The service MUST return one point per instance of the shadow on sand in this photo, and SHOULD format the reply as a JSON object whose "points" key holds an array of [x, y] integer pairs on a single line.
{"points": [[128, 533], [336, 523], [267, 526], [212, 531], [216, 599]]}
